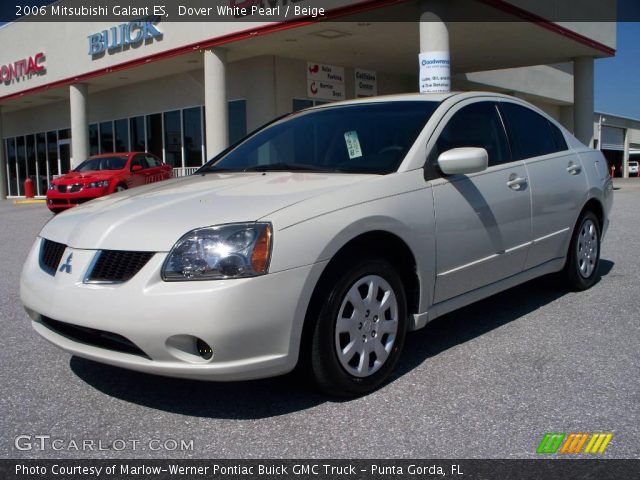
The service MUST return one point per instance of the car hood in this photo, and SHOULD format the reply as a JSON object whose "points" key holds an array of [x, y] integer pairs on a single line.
{"points": [[89, 175], [154, 217]]}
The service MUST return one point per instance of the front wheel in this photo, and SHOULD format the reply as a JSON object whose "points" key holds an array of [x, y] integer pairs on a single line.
{"points": [[360, 330], [583, 257], [120, 188]]}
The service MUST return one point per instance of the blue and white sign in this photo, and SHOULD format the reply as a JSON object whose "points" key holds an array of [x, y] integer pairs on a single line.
{"points": [[122, 36], [435, 72]]}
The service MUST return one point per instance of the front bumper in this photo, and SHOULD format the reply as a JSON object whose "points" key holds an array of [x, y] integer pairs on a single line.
{"points": [[62, 201], [253, 325]]}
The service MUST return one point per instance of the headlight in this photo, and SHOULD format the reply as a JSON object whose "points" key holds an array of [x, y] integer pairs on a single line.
{"points": [[52, 186], [100, 184], [236, 250]]}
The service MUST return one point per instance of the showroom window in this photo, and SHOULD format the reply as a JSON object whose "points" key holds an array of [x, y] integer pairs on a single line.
{"points": [[94, 142], [192, 135], [237, 120], [34, 156], [42, 167], [12, 172], [172, 139], [136, 127], [175, 136], [106, 137], [52, 154], [22, 164], [121, 128], [154, 134]]}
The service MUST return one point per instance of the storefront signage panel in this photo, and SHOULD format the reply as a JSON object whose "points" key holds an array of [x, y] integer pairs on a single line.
{"points": [[123, 36], [325, 82]]}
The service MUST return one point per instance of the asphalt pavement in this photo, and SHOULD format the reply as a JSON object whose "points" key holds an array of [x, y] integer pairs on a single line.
{"points": [[487, 381]]}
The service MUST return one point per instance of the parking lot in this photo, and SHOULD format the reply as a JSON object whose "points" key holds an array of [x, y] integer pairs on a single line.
{"points": [[487, 381]]}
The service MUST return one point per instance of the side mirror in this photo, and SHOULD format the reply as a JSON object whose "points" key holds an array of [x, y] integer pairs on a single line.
{"points": [[136, 168], [463, 160]]}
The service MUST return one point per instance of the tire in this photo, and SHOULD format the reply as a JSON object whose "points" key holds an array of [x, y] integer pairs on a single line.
{"points": [[354, 350], [120, 188], [583, 258]]}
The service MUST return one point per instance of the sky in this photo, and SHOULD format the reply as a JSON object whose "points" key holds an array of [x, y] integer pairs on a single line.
{"points": [[617, 79]]}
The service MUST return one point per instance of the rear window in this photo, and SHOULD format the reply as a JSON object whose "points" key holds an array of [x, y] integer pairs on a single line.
{"points": [[116, 162]]}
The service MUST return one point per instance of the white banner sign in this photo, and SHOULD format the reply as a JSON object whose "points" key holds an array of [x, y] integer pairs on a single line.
{"points": [[325, 82], [435, 72], [325, 90], [366, 83]]}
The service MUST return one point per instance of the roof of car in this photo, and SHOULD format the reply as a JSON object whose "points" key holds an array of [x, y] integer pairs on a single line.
{"points": [[115, 154], [416, 97], [403, 97]]}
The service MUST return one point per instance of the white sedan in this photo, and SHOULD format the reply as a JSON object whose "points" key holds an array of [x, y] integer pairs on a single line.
{"points": [[321, 240]]}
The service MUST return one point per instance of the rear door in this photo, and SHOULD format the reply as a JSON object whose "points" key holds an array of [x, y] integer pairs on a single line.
{"points": [[558, 184], [483, 220], [158, 171]]}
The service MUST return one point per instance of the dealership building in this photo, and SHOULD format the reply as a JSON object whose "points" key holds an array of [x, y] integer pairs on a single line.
{"points": [[186, 90]]}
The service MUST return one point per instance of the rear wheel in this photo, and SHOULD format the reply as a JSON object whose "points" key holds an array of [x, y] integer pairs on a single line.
{"points": [[583, 258], [360, 329]]}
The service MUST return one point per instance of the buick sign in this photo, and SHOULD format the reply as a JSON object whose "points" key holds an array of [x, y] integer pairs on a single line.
{"points": [[118, 38]]}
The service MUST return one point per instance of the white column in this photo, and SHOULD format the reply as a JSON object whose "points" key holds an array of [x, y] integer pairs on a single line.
{"points": [[78, 100], [434, 41], [3, 163], [215, 101], [625, 156], [583, 99]]}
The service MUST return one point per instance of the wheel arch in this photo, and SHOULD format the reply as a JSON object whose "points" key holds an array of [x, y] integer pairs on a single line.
{"points": [[378, 243], [595, 205]]}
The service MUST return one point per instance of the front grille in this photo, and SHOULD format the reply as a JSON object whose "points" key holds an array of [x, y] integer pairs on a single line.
{"points": [[50, 255], [115, 266], [93, 337], [76, 187], [62, 188]]}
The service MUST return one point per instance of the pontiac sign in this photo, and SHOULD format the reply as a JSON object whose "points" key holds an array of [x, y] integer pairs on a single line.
{"points": [[23, 68]]}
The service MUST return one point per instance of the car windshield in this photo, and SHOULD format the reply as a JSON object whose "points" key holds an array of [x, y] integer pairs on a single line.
{"points": [[365, 138], [116, 162]]}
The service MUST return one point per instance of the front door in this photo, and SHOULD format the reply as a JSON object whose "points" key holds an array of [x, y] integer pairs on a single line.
{"points": [[483, 220]]}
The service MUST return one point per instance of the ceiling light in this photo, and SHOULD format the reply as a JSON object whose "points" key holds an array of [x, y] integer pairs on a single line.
{"points": [[330, 34]]}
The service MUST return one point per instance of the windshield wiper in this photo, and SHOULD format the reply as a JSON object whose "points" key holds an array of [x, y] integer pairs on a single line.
{"points": [[214, 169]]}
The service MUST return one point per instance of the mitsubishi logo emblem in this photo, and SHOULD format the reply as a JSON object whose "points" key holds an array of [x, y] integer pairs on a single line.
{"points": [[66, 266]]}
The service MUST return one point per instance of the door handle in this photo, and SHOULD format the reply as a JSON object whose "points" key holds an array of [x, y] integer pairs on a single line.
{"points": [[516, 183], [573, 169]]}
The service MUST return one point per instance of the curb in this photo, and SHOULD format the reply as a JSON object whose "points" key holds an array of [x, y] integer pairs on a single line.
{"points": [[29, 201]]}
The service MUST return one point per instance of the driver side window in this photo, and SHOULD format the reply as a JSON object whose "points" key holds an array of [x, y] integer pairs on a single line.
{"points": [[476, 125], [139, 160]]}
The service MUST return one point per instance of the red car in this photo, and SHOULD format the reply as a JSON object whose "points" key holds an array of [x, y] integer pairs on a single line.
{"points": [[104, 174]]}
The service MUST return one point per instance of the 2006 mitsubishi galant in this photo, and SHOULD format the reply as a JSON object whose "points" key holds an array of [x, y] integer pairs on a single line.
{"points": [[322, 239]]}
